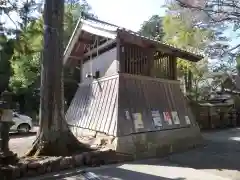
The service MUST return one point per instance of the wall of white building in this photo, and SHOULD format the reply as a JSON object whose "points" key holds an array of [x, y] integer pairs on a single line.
{"points": [[106, 63]]}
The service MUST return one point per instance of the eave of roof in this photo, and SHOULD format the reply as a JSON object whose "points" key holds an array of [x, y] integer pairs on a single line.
{"points": [[110, 31]]}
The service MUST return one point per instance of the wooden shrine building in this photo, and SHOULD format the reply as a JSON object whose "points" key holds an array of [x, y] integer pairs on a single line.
{"points": [[129, 96]]}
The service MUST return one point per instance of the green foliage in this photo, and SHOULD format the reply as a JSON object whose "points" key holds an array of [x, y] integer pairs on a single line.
{"points": [[26, 11], [30, 39], [28, 48], [6, 52], [238, 63], [180, 33], [21, 60], [180, 30], [23, 78], [72, 13], [26, 58], [152, 28]]}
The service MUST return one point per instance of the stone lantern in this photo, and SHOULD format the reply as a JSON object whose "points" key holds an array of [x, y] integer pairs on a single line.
{"points": [[6, 114]]}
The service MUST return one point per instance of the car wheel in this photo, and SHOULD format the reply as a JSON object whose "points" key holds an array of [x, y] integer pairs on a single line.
{"points": [[23, 128]]}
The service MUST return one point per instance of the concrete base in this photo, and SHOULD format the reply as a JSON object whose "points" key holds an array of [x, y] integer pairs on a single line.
{"points": [[148, 144], [159, 143]]}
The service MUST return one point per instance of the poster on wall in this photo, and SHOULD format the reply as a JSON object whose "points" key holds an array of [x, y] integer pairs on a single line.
{"points": [[187, 120], [157, 119], [127, 115], [167, 118], [138, 122], [175, 117]]}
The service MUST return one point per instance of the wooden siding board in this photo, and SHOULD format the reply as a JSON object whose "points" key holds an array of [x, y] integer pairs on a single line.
{"points": [[183, 107], [101, 106], [74, 110], [144, 95], [113, 123], [125, 125], [155, 102], [175, 99], [161, 101], [105, 103], [77, 110], [88, 117], [88, 106], [94, 104], [129, 94], [87, 94], [69, 113], [168, 102], [149, 100], [110, 91], [82, 106], [142, 108], [110, 118], [174, 102]]}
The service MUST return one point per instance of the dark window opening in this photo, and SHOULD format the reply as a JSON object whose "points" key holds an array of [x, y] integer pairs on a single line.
{"points": [[97, 75]]}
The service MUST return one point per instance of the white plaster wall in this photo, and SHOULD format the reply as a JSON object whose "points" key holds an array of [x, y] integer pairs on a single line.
{"points": [[106, 63]]}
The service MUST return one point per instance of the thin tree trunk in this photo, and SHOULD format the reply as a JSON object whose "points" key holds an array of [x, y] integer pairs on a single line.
{"points": [[54, 137]]}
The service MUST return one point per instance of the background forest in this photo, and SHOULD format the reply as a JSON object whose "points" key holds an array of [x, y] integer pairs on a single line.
{"points": [[22, 44]]}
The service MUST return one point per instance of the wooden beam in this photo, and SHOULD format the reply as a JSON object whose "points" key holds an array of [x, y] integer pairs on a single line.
{"points": [[78, 46], [132, 38], [120, 61], [85, 40], [75, 57], [94, 50], [174, 66]]}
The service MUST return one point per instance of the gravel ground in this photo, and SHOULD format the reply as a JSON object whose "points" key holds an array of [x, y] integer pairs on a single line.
{"points": [[21, 144]]}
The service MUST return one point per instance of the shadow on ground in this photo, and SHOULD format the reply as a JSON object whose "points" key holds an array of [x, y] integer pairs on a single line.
{"points": [[20, 135], [221, 154], [106, 174]]}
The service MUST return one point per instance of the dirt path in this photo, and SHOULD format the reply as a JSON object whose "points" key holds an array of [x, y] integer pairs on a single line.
{"points": [[219, 160]]}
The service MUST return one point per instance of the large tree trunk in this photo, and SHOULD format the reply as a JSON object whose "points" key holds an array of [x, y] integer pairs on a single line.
{"points": [[54, 137]]}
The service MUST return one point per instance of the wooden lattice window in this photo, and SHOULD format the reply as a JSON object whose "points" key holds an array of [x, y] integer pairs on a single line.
{"points": [[162, 66], [135, 60]]}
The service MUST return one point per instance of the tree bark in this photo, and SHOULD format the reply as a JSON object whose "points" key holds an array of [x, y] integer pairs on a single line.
{"points": [[54, 137]]}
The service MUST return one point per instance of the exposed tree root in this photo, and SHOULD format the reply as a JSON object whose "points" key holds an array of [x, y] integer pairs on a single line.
{"points": [[64, 144]]}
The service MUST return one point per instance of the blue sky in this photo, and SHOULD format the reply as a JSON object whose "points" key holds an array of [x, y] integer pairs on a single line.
{"points": [[126, 13]]}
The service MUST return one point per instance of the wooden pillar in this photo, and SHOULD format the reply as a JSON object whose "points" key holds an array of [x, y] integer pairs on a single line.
{"points": [[121, 63], [80, 70], [174, 67], [150, 61]]}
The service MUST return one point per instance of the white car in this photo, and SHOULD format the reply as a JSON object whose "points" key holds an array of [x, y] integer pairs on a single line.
{"points": [[22, 122]]}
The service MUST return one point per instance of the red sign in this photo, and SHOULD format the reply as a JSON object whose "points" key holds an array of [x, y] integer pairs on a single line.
{"points": [[167, 117]]}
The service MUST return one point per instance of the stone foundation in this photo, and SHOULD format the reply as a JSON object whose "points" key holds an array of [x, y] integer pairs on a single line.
{"points": [[159, 143], [144, 145]]}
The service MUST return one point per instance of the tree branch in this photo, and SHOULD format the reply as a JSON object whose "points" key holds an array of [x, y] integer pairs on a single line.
{"points": [[228, 15]]}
